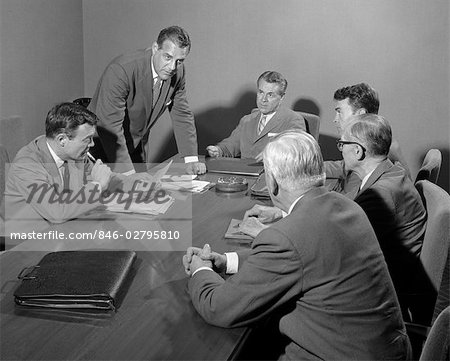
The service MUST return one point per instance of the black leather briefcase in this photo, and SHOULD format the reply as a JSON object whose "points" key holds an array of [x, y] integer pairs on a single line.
{"points": [[76, 280]]}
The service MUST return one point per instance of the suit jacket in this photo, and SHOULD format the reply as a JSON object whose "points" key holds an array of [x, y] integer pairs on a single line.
{"points": [[397, 215], [348, 182], [245, 142], [34, 168], [324, 265], [123, 103]]}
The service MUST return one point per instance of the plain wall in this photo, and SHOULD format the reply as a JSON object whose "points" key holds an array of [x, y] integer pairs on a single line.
{"points": [[400, 47], [41, 63]]}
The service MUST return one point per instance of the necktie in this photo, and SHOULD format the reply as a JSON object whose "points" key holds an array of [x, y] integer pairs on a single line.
{"points": [[66, 176], [261, 124], [156, 90]]}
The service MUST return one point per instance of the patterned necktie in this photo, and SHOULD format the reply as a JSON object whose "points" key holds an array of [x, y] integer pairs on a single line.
{"points": [[156, 90], [262, 124], [66, 176]]}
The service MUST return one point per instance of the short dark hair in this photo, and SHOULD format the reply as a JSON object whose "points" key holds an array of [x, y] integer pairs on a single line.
{"points": [[373, 131], [175, 34], [66, 118], [359, 96], [274, 77]]}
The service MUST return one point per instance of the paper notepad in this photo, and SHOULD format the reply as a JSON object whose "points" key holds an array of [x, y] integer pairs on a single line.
{"points": [[143, 207], [234, 233]]}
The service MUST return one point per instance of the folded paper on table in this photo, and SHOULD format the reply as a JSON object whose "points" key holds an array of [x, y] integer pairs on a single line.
{"points": [[234, 233], [194, 186]]}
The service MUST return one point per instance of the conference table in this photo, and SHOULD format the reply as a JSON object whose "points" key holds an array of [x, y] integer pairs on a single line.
{"points": [[156, 319]]}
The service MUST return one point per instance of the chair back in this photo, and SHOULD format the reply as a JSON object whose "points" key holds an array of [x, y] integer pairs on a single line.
{"points": [[436, 346], [435, 246], [312, 124], [431, 166]]}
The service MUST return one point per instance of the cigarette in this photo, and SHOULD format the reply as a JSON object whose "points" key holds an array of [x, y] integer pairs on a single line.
{"points": [[91, 157]]}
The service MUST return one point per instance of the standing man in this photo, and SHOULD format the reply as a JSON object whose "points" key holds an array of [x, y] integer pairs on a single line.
{"points": [[132, 94], [350, 101], [320, 269], [252, 134]]}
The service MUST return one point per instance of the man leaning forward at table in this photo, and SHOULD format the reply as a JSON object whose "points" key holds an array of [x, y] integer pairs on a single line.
{"points": [[320, 268], [251, 135], [52, 180]]}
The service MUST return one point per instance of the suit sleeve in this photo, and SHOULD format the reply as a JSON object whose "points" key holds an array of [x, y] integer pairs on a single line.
{"points": [[109, 105], [231, 146], [36, 186], [270, 277], [183, 121]]}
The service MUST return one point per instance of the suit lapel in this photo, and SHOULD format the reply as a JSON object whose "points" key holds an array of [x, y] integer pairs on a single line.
{"points": [[254, 125], [269, 126], [377, 173], [47, 160]]}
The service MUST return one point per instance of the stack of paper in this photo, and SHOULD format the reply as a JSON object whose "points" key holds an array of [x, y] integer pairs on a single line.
{"points": [[153, 207], [185, 183]]}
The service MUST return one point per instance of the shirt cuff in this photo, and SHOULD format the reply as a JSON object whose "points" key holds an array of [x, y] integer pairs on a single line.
{"points": [[232, 262], [201, 268], [130, 172], [191, 159]]}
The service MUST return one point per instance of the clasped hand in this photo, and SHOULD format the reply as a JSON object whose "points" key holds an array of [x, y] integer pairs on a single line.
{"points": [[203, 257]]}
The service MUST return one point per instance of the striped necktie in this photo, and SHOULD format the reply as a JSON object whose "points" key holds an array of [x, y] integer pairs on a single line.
{"points": [[66, 176], [262, 124], [156, 89]]}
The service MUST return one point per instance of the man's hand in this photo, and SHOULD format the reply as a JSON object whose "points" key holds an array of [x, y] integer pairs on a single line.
{"points": [[101, 173], [265, 214], [252, 226], [196, 168], [216, 260], [214, 151]]}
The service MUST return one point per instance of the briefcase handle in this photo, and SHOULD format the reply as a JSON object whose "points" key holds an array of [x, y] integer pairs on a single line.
{"points": [[23, 276]]}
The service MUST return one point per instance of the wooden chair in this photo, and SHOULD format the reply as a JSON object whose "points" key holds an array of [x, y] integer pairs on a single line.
{"points": [[431, 166], [84, 101]]}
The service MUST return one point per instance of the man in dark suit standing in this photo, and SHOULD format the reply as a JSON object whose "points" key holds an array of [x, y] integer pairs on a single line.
{"points": [[252, 134], [132, 94], [320, 269]]}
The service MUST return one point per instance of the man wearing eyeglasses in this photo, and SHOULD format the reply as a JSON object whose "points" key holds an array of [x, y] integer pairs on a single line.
{"points": [[253, 131], [349, 102], [133, 93], [391, 202]]}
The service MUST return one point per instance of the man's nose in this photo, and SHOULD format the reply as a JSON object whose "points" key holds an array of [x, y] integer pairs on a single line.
{"points": [[173, 64]]}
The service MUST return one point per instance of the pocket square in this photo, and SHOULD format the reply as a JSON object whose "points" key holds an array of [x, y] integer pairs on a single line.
{"points": [[168, 103]]}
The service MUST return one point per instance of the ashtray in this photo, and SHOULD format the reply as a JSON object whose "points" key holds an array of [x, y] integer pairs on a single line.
{"points": [[231, 184]]}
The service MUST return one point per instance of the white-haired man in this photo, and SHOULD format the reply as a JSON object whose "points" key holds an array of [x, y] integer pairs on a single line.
{"points": [[320, 269]]}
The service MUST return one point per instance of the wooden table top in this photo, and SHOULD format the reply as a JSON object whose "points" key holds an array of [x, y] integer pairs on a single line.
{"points": [[156, 320]]}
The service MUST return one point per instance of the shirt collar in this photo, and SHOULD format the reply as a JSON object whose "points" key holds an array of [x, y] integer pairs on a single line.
{"points": [[59, 162], [291, 207], [268, 116], [154, 73], [365, 179]]}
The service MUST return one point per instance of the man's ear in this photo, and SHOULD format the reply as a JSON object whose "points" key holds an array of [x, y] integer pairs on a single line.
{"points": [[272, 184], [359, 152], [61, 139], [154, 48]]}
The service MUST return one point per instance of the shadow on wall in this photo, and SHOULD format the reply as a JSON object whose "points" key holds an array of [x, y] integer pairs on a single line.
{"points": [[215, 124]]}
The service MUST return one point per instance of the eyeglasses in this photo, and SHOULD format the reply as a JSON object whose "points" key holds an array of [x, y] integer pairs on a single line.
{"points": [[340, 144]]}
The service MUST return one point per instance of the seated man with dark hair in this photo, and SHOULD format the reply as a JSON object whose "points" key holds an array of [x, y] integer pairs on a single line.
{"points": [[52, 179], [351, 101], [320, 269], [251, 135]]}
